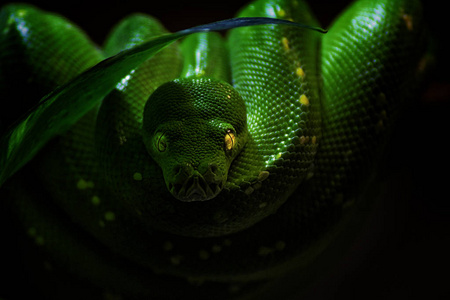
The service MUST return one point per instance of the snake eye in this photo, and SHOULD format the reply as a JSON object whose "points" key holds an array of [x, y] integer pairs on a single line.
{"points": [[161, 142], [230, 140]]}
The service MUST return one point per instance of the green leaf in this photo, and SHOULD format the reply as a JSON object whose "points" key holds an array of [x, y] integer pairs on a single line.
{"points": [[60, 109]]}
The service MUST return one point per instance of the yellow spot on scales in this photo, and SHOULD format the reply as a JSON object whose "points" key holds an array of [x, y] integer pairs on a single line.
{"points": [[39, 240], [304, 100], [83, 184], [95, 200], [137, 176], [110, 216], [300, 73], [281, 13], [285, 43]]}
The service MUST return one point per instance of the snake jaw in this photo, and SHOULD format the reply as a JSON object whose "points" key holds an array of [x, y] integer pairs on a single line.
{"points": [[190, 185], [195, 191]]}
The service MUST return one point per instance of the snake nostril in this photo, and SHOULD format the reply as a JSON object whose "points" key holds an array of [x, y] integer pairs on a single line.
{"points": [[213, 168]]}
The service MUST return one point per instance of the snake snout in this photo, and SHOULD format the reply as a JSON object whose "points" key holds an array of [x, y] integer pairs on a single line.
{"points": [[192, 185]]}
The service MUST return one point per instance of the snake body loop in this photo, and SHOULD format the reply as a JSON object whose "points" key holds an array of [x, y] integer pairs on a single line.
{"points": [[221, 161]]}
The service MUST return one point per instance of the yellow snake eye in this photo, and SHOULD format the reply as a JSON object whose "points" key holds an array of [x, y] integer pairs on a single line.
{"points": [[229, 140], [161, 143]]}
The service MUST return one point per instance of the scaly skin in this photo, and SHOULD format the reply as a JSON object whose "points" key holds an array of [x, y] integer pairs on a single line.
{"points": [[287, 156]]}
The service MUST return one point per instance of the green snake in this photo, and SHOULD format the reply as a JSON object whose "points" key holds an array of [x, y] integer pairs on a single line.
{"points": [[218, 164]]}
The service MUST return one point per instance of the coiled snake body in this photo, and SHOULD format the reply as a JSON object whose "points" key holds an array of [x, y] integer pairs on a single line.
{"points": [[221, 162]]}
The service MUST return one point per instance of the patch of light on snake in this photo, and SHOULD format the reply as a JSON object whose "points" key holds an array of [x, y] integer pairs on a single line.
{"points": [[270, 11], [373, 20], [124, 82], [21, 25], [24, 30]]}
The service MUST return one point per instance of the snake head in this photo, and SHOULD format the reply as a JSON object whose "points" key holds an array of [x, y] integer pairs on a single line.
{"points": [[193, 128]]}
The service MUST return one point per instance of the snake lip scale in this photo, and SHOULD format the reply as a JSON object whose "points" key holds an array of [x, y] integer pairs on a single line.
{"points": [[196, 187]]}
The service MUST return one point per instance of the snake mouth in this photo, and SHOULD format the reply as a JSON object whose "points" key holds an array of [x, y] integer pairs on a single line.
{"points": [[196, 188], [188, 184]]}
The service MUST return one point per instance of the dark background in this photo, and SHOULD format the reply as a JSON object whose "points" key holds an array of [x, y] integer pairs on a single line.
{"points": [[403, 249]]}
